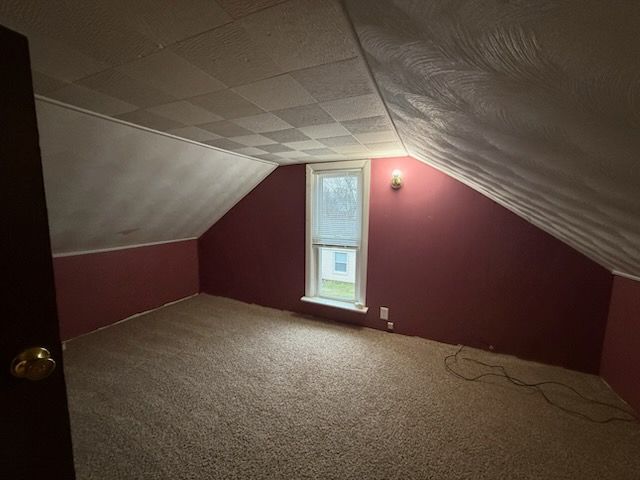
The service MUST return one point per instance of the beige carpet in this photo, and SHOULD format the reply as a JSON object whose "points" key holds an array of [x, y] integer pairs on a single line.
{"points": [[212, 388]]}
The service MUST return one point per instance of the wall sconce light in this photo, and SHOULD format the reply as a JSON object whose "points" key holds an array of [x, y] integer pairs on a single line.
{"points": [[396, 179]]}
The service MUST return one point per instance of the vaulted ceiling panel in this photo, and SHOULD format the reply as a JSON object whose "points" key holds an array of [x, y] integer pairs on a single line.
{"points": [[109, 184], [534, 103], [303, 33], [245, 62]]}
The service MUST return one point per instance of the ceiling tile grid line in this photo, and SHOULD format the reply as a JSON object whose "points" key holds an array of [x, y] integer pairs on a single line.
{"points": [[262, 68], [138, 126], [371, 76]]}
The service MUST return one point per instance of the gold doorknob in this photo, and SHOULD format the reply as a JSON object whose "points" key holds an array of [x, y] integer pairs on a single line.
{"points": [[33, 364]]}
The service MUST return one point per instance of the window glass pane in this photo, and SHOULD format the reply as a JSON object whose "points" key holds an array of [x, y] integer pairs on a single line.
{"points": [[337, 218], [340, 262], [333, 282], [340, 257]]}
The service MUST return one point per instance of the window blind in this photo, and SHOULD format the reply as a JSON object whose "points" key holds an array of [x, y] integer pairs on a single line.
{"points": [[338, 209]]}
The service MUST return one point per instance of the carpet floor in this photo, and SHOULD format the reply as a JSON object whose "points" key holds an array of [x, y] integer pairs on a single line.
{"points": [[212, 388]]}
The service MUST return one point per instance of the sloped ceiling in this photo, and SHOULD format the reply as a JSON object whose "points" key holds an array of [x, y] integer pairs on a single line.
{"points": [[535, 103], [110, 185], [280, 81]]}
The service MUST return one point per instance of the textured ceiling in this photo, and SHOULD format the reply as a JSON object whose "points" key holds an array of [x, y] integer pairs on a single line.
{"points": [[110, 185], [534, 103], [280, 81]]}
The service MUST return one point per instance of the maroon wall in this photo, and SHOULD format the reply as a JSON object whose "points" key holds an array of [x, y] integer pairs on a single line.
{"points": [[621, 352], [451, 264], [97, 289]]}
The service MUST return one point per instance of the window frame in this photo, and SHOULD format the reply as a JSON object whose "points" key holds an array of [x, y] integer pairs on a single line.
{"points": [[311, 251]]}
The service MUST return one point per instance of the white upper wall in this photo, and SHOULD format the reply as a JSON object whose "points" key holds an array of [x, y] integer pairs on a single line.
{"points": [[110, 184]]}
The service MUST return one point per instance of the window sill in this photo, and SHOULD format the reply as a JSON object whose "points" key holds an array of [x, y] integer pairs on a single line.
{"points": [[335, 303]]}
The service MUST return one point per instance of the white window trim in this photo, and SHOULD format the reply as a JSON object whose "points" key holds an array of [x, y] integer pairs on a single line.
{"points": [[361, 260]]}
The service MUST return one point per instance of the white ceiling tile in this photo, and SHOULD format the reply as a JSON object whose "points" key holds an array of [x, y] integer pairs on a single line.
{"points": [[268, 156], [343, 79], [352, 108], [185, 112], [290, 154], [303, 33], [229, 54], [276, 93], [225, 144], [60, 61], [242, 8], [44, 84], [97, 28], [304, 116], [324, 131], [378, 123], [91, 100], [276, 148], [338, 141], [384, 146], [361, 149], [118, 85], [319, 151], [377, 137], [150, 120], [250, 151], [227, 104], [252, 140], [168, 21], [288, 135], [193, 133], [387, 153], [226, 129], [328, 157], [266, 122], [172, 74], [304, 145]]}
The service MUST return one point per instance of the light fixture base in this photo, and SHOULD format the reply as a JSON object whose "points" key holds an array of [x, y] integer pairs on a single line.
{"points": [[396, 179]]}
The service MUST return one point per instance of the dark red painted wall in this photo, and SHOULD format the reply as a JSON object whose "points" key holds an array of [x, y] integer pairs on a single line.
{"points": [[451, 264], [621, 352], [97, 289]]}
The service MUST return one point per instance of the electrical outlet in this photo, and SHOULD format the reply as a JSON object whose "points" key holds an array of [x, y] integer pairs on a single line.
{"points": [[384, 313], [390, 326]]}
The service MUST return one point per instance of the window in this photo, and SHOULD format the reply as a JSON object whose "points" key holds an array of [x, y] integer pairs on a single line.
{"points": [[340, 262], [336, 237]]}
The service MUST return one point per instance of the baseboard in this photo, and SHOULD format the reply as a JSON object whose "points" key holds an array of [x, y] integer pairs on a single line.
{"points": [[129, 318]]}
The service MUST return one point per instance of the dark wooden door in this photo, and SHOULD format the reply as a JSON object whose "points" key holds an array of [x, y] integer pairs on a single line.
{"points": [[35, 440]]}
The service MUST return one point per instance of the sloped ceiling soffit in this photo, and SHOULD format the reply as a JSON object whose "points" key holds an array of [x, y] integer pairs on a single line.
{"points": [[535, 103], [111, 185]]}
